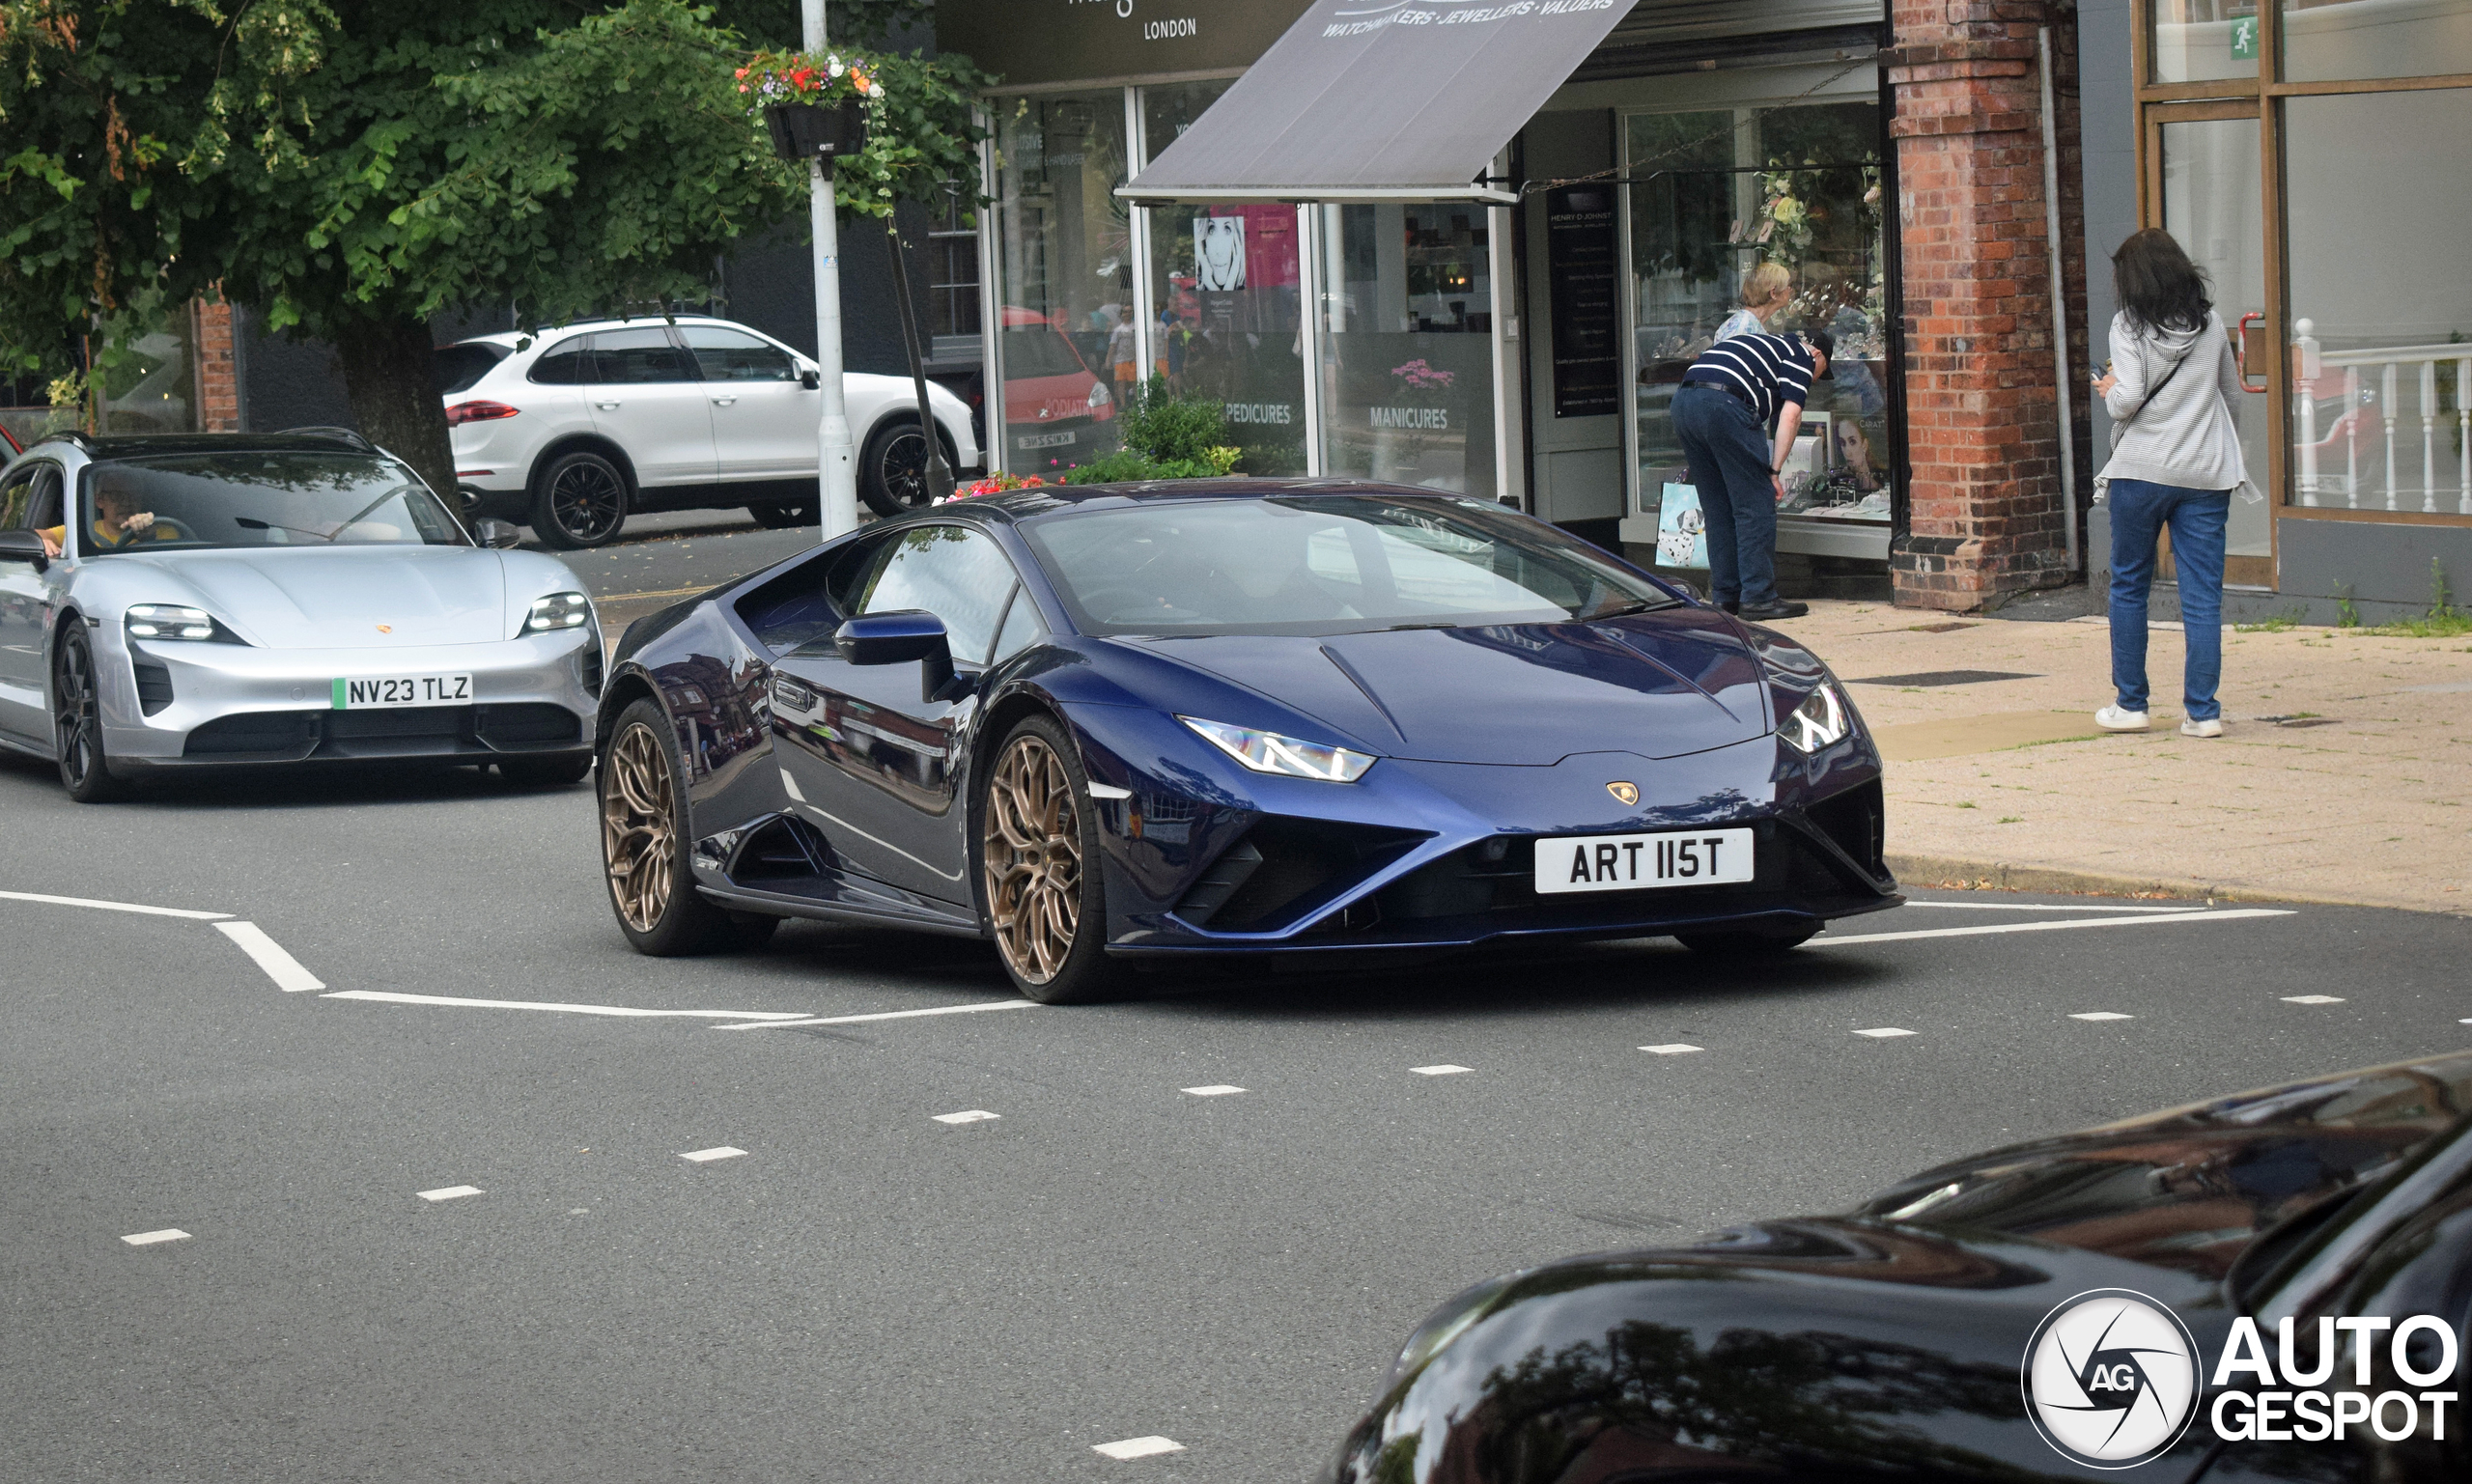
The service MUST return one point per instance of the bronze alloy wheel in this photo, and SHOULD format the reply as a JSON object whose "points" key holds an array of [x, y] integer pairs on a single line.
{"points": [[638, 840], [1033, 858]]}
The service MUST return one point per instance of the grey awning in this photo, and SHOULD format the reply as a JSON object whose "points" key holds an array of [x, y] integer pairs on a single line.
{"points": [[1381, 100]]}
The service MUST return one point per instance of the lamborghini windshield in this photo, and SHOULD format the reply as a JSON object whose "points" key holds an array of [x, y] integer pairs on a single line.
{"points": [[1322, 564], [188, 501]]}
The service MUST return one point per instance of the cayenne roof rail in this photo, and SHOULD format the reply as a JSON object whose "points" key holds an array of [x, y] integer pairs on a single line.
{"points": [[343, 436]]}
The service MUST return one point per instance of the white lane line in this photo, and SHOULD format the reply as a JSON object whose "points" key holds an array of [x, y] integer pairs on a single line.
{"points": [[451, 1193], [2312, 999], [707, 1156], [390, 998], [2102, 1015], [1885, 1032], [2165, 920], [113, 907], [1441, 1068], [1673, 1049], [2034, 906], [1213, 1090], [887, 1015], [973, 1115], [147, 1239], [1138, 1447], [280, 966]]}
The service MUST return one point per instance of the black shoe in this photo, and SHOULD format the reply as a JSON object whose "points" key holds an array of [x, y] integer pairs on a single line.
{"points": [[1731, 607], [1782, 608]]}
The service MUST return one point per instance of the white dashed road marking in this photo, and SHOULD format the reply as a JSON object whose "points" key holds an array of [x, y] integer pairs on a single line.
{"points": [[707, 1156], [147, 1239], [1138, 1447], [2102, 1015], [280, 966], [2156, 920], [887, 1015], [452, 1192], [2312, 999], [974, 1115], [2047, 906], [113, 907], [390, 998], [1673, 1049], [1885, 1032], [1213, 1090], [1441, 1068]]}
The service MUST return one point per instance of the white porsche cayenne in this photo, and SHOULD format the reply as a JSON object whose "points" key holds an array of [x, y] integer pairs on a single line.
{"points": [[217, 600], [572, 429]]}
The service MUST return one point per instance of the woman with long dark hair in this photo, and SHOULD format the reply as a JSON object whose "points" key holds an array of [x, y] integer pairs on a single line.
{"points": [[2172, 391]]}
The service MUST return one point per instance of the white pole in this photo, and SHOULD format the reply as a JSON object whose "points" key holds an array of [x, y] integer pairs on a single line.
{"points": [[837, 472]]}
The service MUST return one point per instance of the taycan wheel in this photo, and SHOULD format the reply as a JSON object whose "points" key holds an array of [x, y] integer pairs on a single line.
{"points": [[85, 770], [892, 472], [781, 517], [582, 501], [644, 844], [1745, 945], [543, 773], [1039, 851]]}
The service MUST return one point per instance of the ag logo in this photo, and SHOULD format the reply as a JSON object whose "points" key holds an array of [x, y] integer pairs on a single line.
{"points": [[2111, 1379]]}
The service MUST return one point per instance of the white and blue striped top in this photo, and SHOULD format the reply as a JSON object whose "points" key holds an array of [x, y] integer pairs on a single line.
{"points": [[1771, 370]]}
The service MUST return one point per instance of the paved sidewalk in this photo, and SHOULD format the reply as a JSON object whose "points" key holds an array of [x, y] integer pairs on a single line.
{"points": [[2359, 795]]}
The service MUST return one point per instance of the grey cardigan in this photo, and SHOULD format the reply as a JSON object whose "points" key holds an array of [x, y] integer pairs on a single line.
{"points": [[2189, 435]]}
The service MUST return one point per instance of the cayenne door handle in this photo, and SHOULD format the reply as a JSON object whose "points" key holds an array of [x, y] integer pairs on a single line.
{"points": [[606, 407], [725, 402]]}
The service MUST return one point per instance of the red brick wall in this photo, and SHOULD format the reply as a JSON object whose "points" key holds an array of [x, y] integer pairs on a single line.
{"points": [[218, 368], [1982, 431]]}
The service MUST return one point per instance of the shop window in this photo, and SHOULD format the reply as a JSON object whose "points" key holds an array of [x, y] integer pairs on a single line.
{"points": [[1065, 278], [1226, 287], [2212, 208], [2380, 327], [1716, 194], [2203, 40], [2324, 41], [1407, 361]]}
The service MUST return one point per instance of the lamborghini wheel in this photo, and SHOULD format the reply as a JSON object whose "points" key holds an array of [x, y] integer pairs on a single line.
{"points": [[644, 844], [1045, 902]]}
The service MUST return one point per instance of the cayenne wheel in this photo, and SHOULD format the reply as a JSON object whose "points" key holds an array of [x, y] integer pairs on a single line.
{"points": [[85, 768], [781, 517], [892, 472], [580, 502], [644, 842], [1745, 945], [1039, 854]]}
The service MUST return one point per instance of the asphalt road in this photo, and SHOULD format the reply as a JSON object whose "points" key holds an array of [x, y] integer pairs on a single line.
{"points": [[870, 1294]]}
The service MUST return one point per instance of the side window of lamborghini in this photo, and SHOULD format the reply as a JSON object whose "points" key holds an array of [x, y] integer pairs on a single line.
{"points": [[959, 574], [1022, 628]]}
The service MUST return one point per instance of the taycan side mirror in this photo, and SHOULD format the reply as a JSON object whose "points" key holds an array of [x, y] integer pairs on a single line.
{"points": [[898, 637], [498, 535], [24, 546], [810, 378]]}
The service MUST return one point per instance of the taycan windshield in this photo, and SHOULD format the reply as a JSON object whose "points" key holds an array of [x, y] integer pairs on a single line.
{"points": [[193, 501], [1323, 564]]}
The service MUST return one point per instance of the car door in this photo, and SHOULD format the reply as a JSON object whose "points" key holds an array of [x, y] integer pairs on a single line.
{"points": [[645, 394], [875, 764], [765, 419], [30, 500]]}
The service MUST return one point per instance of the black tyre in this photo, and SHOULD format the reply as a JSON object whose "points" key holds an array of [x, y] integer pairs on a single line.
{"points": [[892, 468], [580, 500], [1039, 862], [645, 843], [555, 771], [781, 517], [1746, 946], [77, 721]]}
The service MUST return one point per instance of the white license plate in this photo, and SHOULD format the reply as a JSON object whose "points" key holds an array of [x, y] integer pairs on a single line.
{"points": [[382, 691], [1048, 439], [1700, 857]]}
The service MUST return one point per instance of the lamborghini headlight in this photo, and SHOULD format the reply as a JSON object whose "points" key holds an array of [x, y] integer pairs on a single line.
{"points": [[559, 610], [1820, 721], [1289, 757]]}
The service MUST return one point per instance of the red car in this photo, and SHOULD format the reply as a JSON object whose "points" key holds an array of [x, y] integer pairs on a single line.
{"points": [[1057, 412]]}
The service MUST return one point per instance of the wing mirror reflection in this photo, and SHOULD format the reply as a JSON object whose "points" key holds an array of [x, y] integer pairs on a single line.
{"points": [[24, 546], [498, 535], [898, 637]]}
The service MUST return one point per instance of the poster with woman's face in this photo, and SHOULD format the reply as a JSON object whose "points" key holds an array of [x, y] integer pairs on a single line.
{"points": [[1218, 246]]}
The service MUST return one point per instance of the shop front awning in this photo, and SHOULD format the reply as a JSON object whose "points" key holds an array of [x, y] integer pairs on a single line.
{"points": [[1382, 99]]}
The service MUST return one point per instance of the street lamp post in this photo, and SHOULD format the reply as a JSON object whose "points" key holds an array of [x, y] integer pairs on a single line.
{"points": [[836, 470]]}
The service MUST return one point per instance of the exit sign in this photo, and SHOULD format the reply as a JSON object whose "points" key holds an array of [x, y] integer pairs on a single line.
{"points": [[2244, 39]]}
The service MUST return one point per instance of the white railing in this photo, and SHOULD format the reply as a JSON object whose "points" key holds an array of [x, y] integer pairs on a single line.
{"points": [[2387, 366]]}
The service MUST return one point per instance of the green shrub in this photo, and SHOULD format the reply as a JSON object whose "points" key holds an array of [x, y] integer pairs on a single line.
{"points": [[1165, 437]]}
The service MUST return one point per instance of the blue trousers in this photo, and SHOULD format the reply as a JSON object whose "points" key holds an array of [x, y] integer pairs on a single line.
{"points": [[1728, 456], [2140, 511]]}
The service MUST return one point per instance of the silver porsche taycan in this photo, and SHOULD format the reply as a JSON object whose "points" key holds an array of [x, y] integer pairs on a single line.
{"points": [[171, 602]]}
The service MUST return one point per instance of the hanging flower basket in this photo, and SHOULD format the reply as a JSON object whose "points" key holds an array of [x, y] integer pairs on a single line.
{"points": [[803, 131], [814, 107]]}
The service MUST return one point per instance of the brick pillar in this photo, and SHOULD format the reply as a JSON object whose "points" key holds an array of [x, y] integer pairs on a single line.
{"points": [[218, 366], [1982, 418]]}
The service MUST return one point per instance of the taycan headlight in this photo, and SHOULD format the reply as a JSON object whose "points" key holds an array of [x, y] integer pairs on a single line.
{"points": [[172, 621], [559, 610], [1822, 720], [1289, 757]]}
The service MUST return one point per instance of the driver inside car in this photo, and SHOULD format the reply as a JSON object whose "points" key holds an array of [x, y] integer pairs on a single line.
{"points": [[114, 523]]}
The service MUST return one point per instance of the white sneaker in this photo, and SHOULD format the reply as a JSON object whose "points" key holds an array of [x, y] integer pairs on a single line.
{"points": [[2209, 727], [2111, 718]]}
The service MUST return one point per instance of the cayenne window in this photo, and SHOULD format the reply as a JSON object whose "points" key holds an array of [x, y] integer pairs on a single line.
{"points": [[568, 363], [458, 367], [637, 357], [734, 355]]}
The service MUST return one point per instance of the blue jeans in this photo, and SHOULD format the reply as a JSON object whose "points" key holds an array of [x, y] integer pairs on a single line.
{"points": [[1728, 457], [2140, 511]]}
